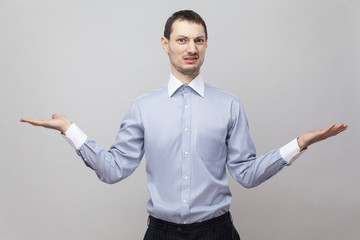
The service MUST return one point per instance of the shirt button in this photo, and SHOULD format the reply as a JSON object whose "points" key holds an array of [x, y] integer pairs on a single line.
{"points": [[184, 222], [185, 88], [179, 229], [186, 177], [184, 200], [185, 129], [186, 153], [186, 106]]}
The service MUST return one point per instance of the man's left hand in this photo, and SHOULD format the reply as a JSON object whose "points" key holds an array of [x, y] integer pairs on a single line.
{"points": [[310, 137]]}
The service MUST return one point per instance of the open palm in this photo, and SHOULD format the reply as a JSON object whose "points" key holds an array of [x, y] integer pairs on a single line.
{"points": [[58, 122], [310, 137]]}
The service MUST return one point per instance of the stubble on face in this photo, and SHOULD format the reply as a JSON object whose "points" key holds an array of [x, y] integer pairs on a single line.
{"points": [[189, 69], [186, 49]]}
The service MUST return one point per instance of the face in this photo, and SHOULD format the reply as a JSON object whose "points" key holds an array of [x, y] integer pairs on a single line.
{"points": [[186, 49]]}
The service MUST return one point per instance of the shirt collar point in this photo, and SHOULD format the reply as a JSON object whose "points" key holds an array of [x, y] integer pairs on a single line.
{"points": [[197, 84]]}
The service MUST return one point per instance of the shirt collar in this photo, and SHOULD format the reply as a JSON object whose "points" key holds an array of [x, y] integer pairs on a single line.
{"points": [[197, 84]]}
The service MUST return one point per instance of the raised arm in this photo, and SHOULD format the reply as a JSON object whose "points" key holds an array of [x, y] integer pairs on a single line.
{"points": [[58, 122], [251, 170], [111, 165]]}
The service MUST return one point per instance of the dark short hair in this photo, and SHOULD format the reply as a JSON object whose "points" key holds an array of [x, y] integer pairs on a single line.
{"points": [[187, 15]]}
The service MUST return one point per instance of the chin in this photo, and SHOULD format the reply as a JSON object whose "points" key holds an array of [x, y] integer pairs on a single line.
{"points": [[190, 71]]}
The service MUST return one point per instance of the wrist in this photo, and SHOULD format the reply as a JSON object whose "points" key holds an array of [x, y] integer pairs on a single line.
{"points": [[301, 144], [66, 126]]}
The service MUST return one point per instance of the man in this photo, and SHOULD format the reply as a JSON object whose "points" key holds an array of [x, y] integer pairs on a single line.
{"points": [[190, 132]]}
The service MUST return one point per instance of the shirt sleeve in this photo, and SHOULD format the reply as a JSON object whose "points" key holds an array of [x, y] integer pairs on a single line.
{"points": [[74, 136], [124, 155], [243, 164], [291, 151]]}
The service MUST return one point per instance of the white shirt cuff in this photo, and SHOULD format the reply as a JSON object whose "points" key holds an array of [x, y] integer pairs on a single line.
{"points": [[74, 136], [291, 151]]}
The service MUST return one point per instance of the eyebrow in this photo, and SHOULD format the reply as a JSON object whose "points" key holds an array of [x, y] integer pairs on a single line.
{"points": [[183, 36]]}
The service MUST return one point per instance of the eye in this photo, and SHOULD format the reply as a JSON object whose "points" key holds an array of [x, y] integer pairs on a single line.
{"points": [[200, 40], [181, 40]]}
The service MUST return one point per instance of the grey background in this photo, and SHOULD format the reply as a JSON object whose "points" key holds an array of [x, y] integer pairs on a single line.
{"points": [[294, 64]]}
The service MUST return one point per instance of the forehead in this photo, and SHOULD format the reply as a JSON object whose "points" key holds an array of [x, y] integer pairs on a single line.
{"points": [[186, 28]]}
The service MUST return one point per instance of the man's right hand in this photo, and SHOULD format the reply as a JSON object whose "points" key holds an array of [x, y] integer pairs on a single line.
{"points": [[58, 122]]}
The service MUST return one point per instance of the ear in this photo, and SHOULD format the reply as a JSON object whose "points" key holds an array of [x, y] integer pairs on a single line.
{"points": [[165, 44]]}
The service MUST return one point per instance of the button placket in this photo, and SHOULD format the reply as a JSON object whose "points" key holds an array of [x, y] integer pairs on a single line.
{"points": [[186, 159]]}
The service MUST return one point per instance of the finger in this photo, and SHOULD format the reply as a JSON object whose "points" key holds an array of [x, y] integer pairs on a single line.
{"points": [[336, 130], [28, 120], [35, 122], [327, 130], [339, 130], [342, 125]]}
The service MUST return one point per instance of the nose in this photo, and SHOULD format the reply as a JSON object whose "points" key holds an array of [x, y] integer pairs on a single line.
{"points": [[192, 47]]}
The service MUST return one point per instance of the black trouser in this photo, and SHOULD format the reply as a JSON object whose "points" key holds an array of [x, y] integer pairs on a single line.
{"points": [[219, 228]]}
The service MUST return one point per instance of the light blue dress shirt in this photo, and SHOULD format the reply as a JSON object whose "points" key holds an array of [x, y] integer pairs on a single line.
{"points": [[190, 134]]}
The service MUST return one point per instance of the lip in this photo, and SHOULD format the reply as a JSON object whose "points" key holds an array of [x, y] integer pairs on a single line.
{"points": [[190, 59]]}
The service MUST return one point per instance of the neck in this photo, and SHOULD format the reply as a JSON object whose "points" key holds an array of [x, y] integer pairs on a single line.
{"points": [[185, 79]]}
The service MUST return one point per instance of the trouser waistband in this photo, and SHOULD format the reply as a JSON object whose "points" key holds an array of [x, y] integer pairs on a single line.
{"points": [[200, 226]]}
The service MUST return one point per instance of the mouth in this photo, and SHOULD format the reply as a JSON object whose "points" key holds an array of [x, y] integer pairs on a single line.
{"points": [[191, 59]]}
